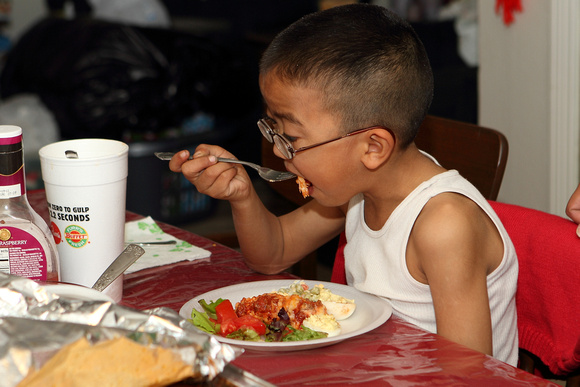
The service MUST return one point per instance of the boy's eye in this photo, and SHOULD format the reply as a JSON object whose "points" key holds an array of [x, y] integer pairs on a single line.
{"points": [[289, 138], [276, 128], [272, 124], [270, 121]]}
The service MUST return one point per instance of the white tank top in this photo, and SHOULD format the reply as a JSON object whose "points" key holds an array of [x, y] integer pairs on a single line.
{"points": [[375, 263]]}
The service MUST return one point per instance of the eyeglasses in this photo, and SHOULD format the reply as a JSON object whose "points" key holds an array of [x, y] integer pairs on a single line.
{"points": [[286, 148]]}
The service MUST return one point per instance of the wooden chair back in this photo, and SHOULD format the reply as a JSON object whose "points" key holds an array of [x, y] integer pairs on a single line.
{"points": [[478, 153]]}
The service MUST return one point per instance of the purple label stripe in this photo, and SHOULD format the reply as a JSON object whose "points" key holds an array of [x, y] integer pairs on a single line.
{"points": [[11, 140]]}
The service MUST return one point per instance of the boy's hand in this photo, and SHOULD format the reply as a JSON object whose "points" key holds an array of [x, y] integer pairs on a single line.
{"points": [[573, 208], [219, 180]]}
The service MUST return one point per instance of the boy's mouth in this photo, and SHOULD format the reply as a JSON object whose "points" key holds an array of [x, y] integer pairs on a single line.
{"points": [[303, 186]]}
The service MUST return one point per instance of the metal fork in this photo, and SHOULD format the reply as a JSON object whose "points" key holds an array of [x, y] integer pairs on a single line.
{"points": [[267, 174]]}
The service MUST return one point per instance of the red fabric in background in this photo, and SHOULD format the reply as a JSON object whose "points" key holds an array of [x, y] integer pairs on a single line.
{"points": [[508, 7], [338, 271], [548, 295]]}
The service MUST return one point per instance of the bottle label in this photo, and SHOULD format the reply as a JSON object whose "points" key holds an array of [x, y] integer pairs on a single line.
{"points": [[12, 181], [10, 191], [22, 254]]}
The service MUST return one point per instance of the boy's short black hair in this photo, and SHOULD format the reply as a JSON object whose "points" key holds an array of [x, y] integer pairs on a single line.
{"points": [[368, 63]]}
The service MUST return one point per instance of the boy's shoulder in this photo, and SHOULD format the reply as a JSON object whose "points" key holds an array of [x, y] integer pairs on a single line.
{"points": [[454, 230], [449, 209]]}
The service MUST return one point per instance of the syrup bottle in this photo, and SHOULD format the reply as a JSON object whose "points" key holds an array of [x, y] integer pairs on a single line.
{"points": [[27, 247]]}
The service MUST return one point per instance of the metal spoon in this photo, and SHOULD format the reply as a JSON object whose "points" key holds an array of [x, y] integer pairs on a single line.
{"points": [[118, 266], [267, 174], [153, 243]]}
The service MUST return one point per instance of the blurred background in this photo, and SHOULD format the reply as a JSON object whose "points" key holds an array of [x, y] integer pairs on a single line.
{"points": [[164, 75]]}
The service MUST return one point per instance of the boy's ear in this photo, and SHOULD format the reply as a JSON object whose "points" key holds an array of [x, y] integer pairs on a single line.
{"points": [[380, 144]]}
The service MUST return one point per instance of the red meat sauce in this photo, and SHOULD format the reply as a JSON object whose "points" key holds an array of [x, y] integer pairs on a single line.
{"points": [[266, 307]]}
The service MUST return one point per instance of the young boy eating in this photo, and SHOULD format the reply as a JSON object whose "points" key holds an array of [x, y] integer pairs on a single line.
{"points": [[346, 90]]}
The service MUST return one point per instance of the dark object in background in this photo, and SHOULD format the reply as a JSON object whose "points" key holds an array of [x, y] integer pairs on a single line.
{"points": [[103, 79], [154, 190], [455, 83], [81, 7], [246, 17], [128, 83]]}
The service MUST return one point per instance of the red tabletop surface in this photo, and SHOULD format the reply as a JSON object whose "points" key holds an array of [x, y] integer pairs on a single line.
{"points": [[396, 353]]}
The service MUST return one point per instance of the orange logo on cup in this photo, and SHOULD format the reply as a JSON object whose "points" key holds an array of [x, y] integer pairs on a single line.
{"points": [[76, 236]]}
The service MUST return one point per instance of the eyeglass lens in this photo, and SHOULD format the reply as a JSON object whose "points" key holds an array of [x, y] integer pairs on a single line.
{"points": [[283, 146], [265, 129]]}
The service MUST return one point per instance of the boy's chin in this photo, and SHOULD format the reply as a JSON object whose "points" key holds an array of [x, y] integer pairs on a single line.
{"points": [[328, 201]]}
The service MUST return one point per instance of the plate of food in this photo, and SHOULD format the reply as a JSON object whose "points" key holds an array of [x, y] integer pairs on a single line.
{"points": [[286, 315]]}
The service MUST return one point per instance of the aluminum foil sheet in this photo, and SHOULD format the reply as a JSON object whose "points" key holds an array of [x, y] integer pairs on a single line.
{"points": [[35, 324]]}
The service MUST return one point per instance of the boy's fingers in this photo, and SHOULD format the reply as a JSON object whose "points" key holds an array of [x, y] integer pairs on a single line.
{"points": [[192, 168], [177, 160]]}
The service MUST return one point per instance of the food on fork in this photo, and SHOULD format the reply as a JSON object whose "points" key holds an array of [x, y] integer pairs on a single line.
{"points": [[303, 186]]}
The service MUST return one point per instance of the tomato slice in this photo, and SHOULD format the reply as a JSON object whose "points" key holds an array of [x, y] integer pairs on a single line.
{"points": [[225, 311], [227, 327], [230, 322], [251, 322]]}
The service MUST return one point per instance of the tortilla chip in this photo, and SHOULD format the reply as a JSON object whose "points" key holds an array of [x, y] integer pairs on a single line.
{"points": [[115, 362]]}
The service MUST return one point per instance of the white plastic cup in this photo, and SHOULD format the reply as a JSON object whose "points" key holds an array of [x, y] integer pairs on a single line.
{"points": [[86, 200]]}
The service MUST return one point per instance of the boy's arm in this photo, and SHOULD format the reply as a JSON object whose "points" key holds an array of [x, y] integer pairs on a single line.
{"points": [[456, 246], [269, 244], [272, 244]]}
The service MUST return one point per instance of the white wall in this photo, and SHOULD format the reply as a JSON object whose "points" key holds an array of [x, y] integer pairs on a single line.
{"points": [[517, 91], [24, 14]]}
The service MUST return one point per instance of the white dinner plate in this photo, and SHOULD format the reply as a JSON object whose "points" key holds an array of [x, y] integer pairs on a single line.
{"points": [[77, 292], [370, 312]]}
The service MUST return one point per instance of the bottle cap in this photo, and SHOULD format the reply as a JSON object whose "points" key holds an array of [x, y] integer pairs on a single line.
{"points": [[9, 131], [11, 162], [10, 137]]}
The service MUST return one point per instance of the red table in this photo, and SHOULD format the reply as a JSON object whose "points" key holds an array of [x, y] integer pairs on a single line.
{"points": [[396, 353]]}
